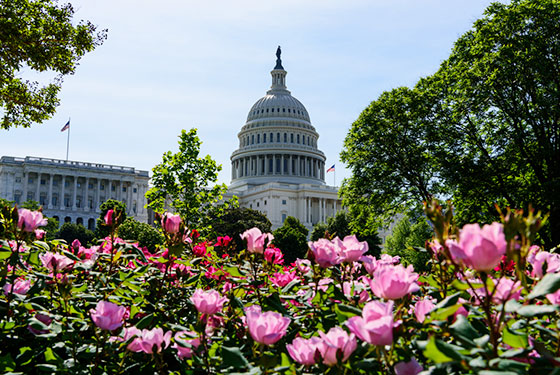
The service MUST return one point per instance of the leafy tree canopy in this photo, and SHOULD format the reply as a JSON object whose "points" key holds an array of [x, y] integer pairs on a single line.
{"points": [[482, 130], [183, 181], [39, 36], [119, 216], [234, 221], [70, 232], [146, 235], [291, 238]]}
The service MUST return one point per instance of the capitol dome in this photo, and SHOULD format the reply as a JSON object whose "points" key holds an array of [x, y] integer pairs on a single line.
{"points": [[278, 142]]}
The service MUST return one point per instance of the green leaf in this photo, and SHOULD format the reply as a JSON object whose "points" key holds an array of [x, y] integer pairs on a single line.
{"points": [[434, 353], [7, 363], [515, 339], [344, 312], [429, 280], [550, 283], [145, 321], [234, 271], [443, 313], [4, 254], [532, 310], [233, 357], [463, 330], [71, 256]]}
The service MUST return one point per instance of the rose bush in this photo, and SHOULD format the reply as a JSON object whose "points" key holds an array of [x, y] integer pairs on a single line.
{"points": [[489, 304]]}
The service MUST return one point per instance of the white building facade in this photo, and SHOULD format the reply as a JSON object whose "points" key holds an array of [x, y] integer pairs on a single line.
{"points": [[72, 191], [278, 168]]}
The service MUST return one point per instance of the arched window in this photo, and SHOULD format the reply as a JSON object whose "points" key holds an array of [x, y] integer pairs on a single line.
{"points": [[264, 138], [298, 139], [292, 138], [285, 138]]}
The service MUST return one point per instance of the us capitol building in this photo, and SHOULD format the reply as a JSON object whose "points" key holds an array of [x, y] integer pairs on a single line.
{"points": [[278, 168]]}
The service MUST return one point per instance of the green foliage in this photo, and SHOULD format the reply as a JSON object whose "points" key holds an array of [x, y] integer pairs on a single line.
{"points": [[291, 238], [481, 130], [410, 233], [42, 36], [319, 231], [234, 221], [51, 228], [339, 225], [184, 182], [119, 216], [70, 232], [146, 235], [30, 205]]}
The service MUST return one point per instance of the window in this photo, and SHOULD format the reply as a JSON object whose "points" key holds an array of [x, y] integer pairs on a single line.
{"points": [[79, 184], [283, 201], [90, 186], [134, 207], [253, 139], [17, 198], [289, 110], [134, 190], [67, 201], [258, 204], [43, 181], [283, 109], [272, 110], [292, 138], [264, 138], [18, 180], [251, 206], [298, 139], [285, 138], [124, 189], [267, 110], [55, 200], [55, 182], [30, 196], [102, 187], [278, 137], [30, 180], [90, 203], [78, 202], [283, 218], [66, 183], [43, 200], [258, 138], [271, 137], [265, 202], [113, 188]]}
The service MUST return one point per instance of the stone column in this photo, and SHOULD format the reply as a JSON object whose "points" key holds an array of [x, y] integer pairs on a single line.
{"points": [[273, 164], [97, 192], [25, 180], [119, 191], [75, 191], [282, 170], [86, 198], [38, 187], [62, 188], [307, 206], [129, 190], [49, 196], [320, 209]]}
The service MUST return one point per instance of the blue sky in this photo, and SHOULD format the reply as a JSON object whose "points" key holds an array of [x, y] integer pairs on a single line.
{"points": [[179, 64]]}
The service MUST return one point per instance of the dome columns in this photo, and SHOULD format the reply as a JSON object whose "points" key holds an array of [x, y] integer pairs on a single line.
{"points": [[278, 164]]}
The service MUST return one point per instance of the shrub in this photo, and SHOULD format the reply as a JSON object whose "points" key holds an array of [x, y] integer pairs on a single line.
{"points": [[70, 232], [146, 235], [291, 238]]}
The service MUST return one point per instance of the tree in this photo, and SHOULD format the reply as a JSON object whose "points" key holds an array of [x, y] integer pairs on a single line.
{"points": [[319, 231], [184, 182], [234, 221], [291, 238], [39, 35], [70, 232], [483, 130], [119, 216], [410, 234], [146, 235]]}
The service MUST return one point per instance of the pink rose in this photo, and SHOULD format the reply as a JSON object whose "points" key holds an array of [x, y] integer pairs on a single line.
{"points": [[303, 265], [423, 308], [394, 282], [55, 261], [266, 328], [375, 326], [29, 220], [170, 223], [20, 287], [256, 240], [304, 350], [154, 339], [108, 315], [283, 279], [273, 255], [350, 249], [411, 367], [541, 258], [554, 298], [109, 217], [185, 342], [479, 248], [40, 234], [324, 252], [505, 289], [334, 342], [208, 302]]}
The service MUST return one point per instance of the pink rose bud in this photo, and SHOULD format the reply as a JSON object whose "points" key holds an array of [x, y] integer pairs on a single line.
{"points": [[411, 367], [273, 255], [303, 265], [376, 324], [423, 308], [29, 220], [256, 240], [108, 315], [266, 328], [20, 287], [325, 253], [109, 217], [282, 279], [55, 262], [185, 342], [76, 244], [506, 289], [304, 350], [479, 248], [208, 302], [170, 223], [350, 249], [394, 282], [335, 343], [40, 234]]}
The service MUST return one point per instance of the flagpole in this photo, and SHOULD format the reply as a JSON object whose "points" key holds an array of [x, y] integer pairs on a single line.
{"points": [[68, 141]]}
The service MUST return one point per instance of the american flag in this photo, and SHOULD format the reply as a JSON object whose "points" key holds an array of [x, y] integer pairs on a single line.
{"points": [[331, 169], [66, 127]]}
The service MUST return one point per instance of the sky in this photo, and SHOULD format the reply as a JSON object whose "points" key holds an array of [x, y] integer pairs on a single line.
{"points": [[178, 64]]}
